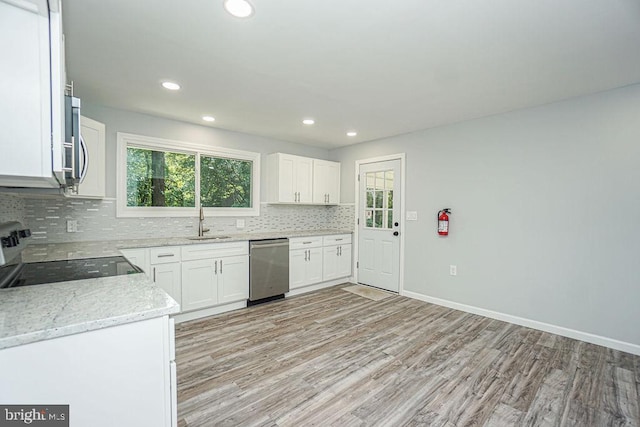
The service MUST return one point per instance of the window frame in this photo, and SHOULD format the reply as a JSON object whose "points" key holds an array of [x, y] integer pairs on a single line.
{"points": [[125, 140]]}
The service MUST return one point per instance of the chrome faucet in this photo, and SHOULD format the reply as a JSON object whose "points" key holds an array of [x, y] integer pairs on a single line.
{"points": [[201, 229]]}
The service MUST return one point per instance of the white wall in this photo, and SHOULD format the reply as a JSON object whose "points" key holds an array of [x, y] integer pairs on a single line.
{"points": [[142, 124], [546, 212]]}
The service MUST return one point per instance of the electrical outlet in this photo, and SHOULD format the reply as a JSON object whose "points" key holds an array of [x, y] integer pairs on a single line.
{"points": [[239, 223], [72, 226], [453, 270]]}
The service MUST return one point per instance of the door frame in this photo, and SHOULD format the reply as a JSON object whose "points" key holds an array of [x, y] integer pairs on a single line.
{"points": [[356, 248]]}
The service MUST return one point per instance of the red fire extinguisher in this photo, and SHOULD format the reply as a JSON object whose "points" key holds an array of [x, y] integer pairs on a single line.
{"points": [[443, 222]]}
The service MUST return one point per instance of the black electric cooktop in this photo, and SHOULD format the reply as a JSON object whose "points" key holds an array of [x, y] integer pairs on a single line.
{"points": [[36, 273]]}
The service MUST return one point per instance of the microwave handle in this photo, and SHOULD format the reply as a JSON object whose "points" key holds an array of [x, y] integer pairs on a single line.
{"points": [[85, 159]]}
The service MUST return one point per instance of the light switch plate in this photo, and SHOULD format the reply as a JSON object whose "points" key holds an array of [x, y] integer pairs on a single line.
{"points": [[239, 223], [412, 215]]}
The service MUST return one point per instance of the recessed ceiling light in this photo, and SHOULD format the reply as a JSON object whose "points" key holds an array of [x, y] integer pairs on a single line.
{"points": [[170, 85], [208, 119], [308, 121], [238, 8], [352, 133]]}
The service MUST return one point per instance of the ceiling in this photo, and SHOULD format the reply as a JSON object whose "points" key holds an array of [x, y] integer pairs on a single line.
{"points": [[381, 68]]}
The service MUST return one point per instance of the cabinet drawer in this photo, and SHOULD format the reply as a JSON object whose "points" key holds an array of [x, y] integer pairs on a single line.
{"points": [[338, 239], [164, 255], [305, 242], [214, 250]]}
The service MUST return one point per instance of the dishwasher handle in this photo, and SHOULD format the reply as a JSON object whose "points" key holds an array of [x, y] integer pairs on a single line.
{"points": [[256, 245]]}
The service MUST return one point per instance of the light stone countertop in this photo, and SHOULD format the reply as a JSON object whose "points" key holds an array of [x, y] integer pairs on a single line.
{"points": [[76, 250], [36, 313]]}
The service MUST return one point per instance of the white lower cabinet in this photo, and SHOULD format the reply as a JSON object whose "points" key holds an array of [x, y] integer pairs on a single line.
{"points": [[305, 261], [138, 257], [233, 280], [199, 285], [164, 264], [120, 375], [209, 282], [337, 262], [168, 277], [214, 274]]}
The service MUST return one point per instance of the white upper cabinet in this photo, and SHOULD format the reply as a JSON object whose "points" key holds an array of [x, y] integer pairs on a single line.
{"points": [[326, 182], [33, 70], [290, 178], [92, 160], [295, 179]]}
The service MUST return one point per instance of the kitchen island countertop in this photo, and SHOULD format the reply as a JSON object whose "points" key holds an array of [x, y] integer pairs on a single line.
{"points": [[36, 313]]}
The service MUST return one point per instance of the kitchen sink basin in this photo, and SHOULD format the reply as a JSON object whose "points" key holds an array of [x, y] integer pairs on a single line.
{"points": [[209, 238]]}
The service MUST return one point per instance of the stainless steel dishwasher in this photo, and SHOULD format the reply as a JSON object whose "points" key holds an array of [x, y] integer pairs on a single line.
{"points": [[268, 270]]}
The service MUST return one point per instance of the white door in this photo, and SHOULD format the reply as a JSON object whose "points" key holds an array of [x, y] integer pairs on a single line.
{"points": [[304, 179], [93, 137], [379, 225]]}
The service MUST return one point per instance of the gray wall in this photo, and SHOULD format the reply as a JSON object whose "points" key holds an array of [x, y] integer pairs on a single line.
{"points": [[142, 124], [546, 211]]}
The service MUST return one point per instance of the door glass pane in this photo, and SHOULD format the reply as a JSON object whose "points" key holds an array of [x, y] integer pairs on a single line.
{"points": [[369, 199], [379, 198], [388, 180], [390, 219], [380, 180], [390, 199], [378, 219], [369, 219], [371, 180]]}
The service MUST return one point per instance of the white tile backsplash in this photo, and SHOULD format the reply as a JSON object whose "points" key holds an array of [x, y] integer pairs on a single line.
{"points": [[97, 220]]}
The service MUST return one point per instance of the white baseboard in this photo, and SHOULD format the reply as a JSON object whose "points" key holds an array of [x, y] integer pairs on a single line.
{"points": [[211, 311], [534, 324]]}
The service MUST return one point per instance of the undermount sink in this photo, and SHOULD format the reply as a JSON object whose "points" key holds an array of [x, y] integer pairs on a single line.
{"points": [[208, 238]]}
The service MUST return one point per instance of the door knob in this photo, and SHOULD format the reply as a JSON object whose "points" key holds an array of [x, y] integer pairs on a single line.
{"points": [[396, 224], [395, 233]]}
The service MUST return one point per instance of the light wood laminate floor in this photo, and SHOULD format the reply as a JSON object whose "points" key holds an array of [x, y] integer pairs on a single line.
{"points": [[335, 358]]}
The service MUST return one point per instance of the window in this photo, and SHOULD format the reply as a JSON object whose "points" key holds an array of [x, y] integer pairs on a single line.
{"points": [[158, 177], [379, 203]]}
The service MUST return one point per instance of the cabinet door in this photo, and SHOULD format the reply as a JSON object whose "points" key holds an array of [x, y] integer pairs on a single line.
{"points": [[93, 135], [304, 179], [233, 278], [330, 263], [199, 284], [297, 268], [169, 278], [25, 91], [138, 257], [344, 261], [286, 178], [326, 182], [314, 266]]}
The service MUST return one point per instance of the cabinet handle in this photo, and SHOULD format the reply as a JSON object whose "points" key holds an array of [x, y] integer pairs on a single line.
{"points": [[328, 198], [165, 255], [154, 274], [305, 254], [216, 268], [340, 250], [337, 250], [220, 266], [309, 254]]}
